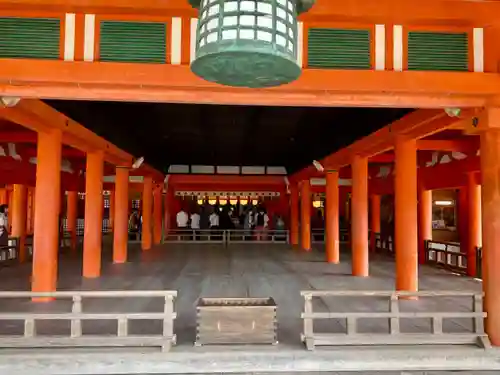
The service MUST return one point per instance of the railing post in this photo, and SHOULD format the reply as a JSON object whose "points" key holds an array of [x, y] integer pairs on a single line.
{"points": [[76, 324], [394, 308], [479, 263], [122, 327], [29, 328], [308, 322], [168, 327]]}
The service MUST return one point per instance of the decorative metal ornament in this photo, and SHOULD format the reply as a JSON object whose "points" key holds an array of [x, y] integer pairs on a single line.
{"points": [[248, 43]]}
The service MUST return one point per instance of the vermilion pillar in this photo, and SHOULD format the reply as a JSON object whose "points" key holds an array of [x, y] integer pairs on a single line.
{"points": [[92, 241], [19, 214], [120, 232], [305, 222], [375, 219], [4, 196], [463, 217], [406, 214], [31, 211], [490, 196], [10, 189], [72, 215], [332, 217], [359, 219], [147, 203], [157, 214], [474, 222], [294, 215], [47, 196], [425, 221], [111, 209]]}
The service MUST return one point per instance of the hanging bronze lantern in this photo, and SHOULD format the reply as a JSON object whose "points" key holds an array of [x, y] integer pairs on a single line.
{"points": [[248, 43]]}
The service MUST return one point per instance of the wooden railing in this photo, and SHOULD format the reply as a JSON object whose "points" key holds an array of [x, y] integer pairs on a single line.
{"points": [[393, 318], [76, 337], [384, 245], [318, 235], [446, 254], [268, 236], [198, 236], [226, 237]]}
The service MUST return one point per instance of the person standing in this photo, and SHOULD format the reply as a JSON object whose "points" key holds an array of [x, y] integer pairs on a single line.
{"points": [[4, 225], [214, 223], [260, 223], [195, 224], [182, 220]]}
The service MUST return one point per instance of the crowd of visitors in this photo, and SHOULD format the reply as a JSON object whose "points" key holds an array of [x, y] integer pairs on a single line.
{"points": [[251, 222]]}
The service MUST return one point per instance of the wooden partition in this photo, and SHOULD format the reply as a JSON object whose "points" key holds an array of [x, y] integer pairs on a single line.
{"points": [[79, 314], [399, 306], [447, 255]]}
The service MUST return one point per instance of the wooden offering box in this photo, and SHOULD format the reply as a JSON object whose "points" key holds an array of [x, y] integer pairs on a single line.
{"points": [[236, 321]]}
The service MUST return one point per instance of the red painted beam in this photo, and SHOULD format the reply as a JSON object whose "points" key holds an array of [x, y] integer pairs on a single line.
{"points": [[223, 180], [66, 153], [459, 145], [441, 176], [18, 137]]}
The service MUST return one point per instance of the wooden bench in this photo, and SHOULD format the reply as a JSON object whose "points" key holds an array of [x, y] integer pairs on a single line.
{"points": [[76, 337], [393, 317]]}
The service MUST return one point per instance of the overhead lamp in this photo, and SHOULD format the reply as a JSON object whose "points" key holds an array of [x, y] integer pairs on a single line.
{"points": [[233, 202], [255, 202], [248, 43], [317, 204], [138, 162], [243, 202], [200, 202], [319, 167], [212, 202], [443, 203], [9, 101], [222, 201]]}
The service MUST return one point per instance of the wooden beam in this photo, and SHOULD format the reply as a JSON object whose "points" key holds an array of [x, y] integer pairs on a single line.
{"points": [[316, 87], [66, 153], [175, 179], [18, 137], [382, 158], [465, 146], [38, 116], [434, 12], [417, 124]]}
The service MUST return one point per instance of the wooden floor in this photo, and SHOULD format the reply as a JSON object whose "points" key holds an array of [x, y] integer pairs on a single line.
{"points": [[243, 270]]}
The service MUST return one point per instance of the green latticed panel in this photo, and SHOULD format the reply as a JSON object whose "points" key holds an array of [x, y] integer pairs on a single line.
{"points": [[438, 51], [30, 38], [138, 42], [339, 48]]}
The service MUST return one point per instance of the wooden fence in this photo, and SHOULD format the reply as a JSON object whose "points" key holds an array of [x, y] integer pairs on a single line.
{"points": [[76, 337], [447, 255], [393, 317], [318, 236], [270, 236], [384, 245]]}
